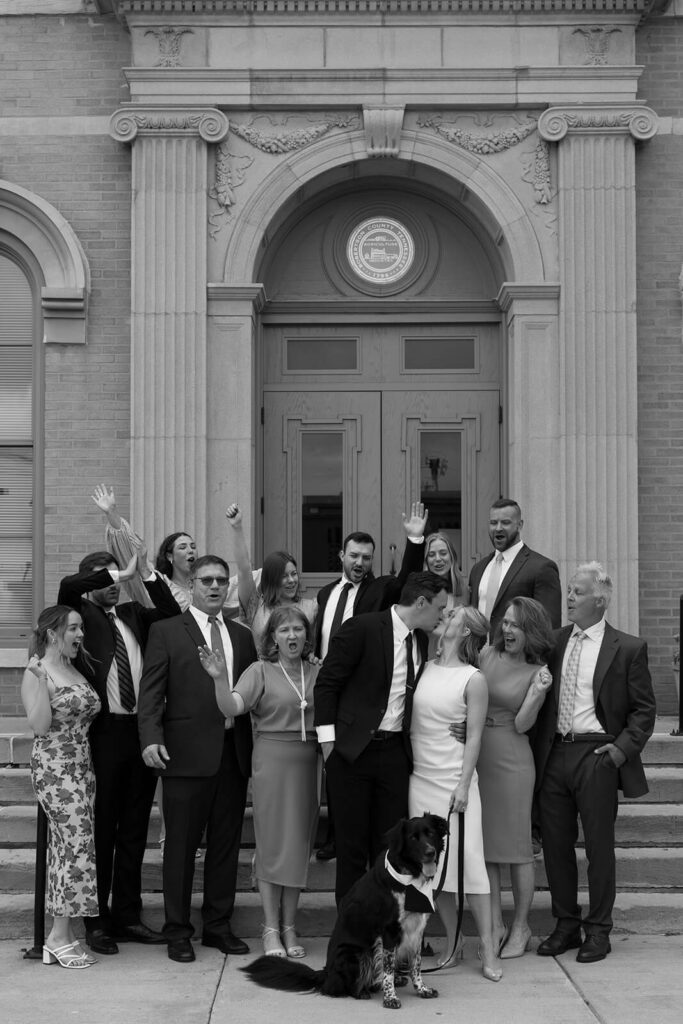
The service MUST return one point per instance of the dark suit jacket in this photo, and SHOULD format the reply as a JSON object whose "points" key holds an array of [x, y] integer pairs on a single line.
{"points": [[530, 575], [98, 640], [352, 688], [375, 592], [624, 703], [177, 705]]}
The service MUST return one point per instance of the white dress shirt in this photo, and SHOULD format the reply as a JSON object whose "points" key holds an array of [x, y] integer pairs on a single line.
{"points": [[135, 659], [331, 607], [202, 620], [509, 556], [585, 719]]}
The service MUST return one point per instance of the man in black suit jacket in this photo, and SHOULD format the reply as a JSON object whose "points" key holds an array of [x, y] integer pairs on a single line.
{"points": [[588, 738], [363, 704], [356, 592], [521, 572], [125, 786], [204, 759]]}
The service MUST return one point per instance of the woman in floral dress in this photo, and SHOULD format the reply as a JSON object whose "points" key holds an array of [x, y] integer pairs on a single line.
{"points": [[60, 705]]}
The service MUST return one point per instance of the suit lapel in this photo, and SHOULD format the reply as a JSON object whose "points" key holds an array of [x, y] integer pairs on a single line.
{"points": [[195, 633], [560, 648], [388, 647], [606, 655], [515, 566], [126, 613]]}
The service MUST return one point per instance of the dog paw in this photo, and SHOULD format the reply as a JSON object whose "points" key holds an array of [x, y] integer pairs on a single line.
{"points": [[391, 1003], [428, 993]]}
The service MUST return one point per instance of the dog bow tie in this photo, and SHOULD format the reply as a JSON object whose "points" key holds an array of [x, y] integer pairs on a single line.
{"points": [[419, 897]]}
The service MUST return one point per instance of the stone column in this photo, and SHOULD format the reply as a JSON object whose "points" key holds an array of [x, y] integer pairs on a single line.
{"points": [[168, 315], [598, 517]]}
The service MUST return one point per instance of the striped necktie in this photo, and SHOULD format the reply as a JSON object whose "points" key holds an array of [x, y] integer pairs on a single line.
{"points": [[126, 688], [565, 714]]}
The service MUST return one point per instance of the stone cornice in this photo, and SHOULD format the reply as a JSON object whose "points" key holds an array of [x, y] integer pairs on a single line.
{"points": [[589, 118], [254, 8], [529, 297], [128, 122]]}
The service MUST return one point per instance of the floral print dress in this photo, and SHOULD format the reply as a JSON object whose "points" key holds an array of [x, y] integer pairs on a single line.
{"points": [[64, 783]]}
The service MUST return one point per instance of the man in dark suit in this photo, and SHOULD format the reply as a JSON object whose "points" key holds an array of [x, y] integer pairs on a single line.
{"points": [[358, 591], [513, 569], [589, 735], [115, 637], [203, 758], [363, 704]]}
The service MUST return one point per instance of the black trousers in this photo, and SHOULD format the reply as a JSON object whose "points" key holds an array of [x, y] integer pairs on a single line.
{"points": [[216, 802], [369, 797], [123, 801], [579, 783]]}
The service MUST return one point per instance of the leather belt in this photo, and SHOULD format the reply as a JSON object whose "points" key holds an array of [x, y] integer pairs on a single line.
{"points": [[123, 718], [384, 735], [583, 737]]}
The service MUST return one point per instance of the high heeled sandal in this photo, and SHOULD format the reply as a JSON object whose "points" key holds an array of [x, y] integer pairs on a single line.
{"points": [[491, 973], [277, 949], [296, 951], [88, 957], [515, 949], [457, 954], [66, 956]]}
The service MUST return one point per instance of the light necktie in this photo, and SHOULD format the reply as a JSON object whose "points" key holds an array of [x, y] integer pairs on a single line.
{"points": [[565, 714], [218, 648], [338, 616], [126, 688], [493, 584]]}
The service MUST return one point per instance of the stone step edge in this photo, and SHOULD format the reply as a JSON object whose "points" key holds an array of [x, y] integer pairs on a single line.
{"points": [[634, 914]]}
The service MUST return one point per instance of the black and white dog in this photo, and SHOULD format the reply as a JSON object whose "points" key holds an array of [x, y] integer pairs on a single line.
{"points": [[381, 918]]}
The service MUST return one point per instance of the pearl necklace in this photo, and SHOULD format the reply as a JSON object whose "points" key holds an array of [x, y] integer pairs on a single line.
{"points": [[301, 694]]}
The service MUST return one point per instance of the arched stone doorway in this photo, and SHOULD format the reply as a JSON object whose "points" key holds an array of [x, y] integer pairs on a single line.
{"points": [[381, 356]]}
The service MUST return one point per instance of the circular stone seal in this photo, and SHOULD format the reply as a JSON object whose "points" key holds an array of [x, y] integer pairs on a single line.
{"points": [[381, 251]]}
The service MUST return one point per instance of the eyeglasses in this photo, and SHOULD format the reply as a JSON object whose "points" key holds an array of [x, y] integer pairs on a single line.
{"points": [[207, 581]]}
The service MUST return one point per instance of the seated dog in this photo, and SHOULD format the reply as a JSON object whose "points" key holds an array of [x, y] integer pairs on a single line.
{"points": [[381, 917]]}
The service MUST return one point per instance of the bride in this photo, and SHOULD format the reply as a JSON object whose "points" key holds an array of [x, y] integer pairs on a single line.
{"points": [[444, 777]]}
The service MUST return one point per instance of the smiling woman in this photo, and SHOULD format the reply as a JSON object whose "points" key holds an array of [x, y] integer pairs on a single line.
{"points": [[278, 692], [60, 706]]}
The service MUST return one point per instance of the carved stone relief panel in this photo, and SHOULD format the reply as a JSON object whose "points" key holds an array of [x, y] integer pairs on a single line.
{"points": [[596, 45]]}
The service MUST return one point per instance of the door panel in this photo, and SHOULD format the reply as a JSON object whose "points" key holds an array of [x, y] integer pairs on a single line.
{"points": [[443, 447], [321, 475]]}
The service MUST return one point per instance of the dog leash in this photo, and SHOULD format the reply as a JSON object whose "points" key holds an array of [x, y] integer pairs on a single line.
{"points": [[461, 886]]}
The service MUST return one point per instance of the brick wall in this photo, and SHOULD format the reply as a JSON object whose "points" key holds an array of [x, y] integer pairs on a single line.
{"points": [[660, 352], [59, 67]]}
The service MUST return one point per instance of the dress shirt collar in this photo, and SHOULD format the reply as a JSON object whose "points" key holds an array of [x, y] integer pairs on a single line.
{"points": [[511, 552], [595, 632], [400, 629], [345, 579], [202, 619]]}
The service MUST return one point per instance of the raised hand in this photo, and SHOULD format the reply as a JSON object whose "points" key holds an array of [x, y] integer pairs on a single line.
{"points": [[35, 666], [104, 498], [130, 570], [212, 662], [543, 679], [234, 515], [416, 522]]}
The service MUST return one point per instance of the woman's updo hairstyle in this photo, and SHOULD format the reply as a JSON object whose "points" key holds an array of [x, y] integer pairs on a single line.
{"points": [[53, 618]]}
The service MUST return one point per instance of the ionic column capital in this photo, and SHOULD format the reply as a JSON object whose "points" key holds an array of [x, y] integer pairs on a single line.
{"points": [[598, 119], [209, 124]]}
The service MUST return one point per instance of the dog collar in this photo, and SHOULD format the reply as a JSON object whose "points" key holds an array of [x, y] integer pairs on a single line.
{"points": [[419, 892]]}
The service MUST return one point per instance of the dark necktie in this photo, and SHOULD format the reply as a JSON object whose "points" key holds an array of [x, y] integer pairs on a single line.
{"points": [[410, 683], [339, 610], [126, 688], [218, 648]]}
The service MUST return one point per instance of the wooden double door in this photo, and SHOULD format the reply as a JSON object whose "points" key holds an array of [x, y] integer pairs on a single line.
{"points": [[337, 460]]}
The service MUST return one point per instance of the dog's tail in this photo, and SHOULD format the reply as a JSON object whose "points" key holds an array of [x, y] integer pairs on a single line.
{"points": [[276, 972]]}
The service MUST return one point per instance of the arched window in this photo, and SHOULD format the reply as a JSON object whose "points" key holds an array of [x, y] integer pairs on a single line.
{"points": [[20, 372]]}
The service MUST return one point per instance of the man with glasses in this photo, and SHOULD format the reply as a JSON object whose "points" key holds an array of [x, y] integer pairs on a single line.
{"points": [[204, 759]]}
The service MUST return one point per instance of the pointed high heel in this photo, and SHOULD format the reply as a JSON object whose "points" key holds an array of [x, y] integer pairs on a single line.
{"points": [[277, 949], [65, 956], [457, 954], [516, 948], [295, 951], [491, 973]]}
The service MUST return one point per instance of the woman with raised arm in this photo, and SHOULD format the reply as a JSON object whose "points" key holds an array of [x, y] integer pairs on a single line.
{"points": [[441, 558], [517, 679], [444, 778], [280, 583], [278, 691], [60, 705]]}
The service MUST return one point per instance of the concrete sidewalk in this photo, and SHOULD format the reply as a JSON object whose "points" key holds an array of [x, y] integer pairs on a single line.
{"points": [[639, 983]]}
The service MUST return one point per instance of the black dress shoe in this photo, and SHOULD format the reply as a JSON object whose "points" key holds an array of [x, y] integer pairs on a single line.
{"points": [[100, 942], [596, 947], [226, 942], [181, 951], [139, 932], [328, 851], [559, 942]]}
